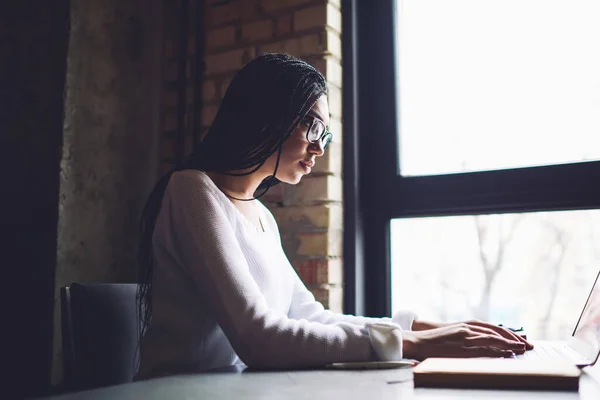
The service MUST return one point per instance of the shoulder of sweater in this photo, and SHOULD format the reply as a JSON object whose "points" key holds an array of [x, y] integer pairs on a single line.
{"points": [[194, 182]]}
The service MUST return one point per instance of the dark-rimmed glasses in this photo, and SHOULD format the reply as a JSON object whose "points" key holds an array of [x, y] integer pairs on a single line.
{"points": [[317, 131]]}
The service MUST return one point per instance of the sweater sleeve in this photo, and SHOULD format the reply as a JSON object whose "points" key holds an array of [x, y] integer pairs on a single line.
{"points": [[304, 306], [204, 244]]}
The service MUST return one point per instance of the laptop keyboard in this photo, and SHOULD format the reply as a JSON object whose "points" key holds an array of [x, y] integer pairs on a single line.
{"points": [[545, 352]]}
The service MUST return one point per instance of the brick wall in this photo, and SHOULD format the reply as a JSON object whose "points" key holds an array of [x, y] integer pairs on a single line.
{"points": [[235, 31]]}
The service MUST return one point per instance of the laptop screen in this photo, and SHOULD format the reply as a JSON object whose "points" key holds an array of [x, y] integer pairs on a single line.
{"points": [[588, 327]]}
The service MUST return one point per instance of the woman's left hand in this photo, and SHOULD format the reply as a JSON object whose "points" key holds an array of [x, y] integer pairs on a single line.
{"points": [[425, 325]]}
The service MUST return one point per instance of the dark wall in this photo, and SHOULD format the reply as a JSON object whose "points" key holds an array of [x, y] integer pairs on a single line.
{"points": [[109, 159], [33, 48], [79, 120]]}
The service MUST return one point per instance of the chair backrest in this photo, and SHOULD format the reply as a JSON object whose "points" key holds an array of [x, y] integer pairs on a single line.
{"points": [[100, 334]]}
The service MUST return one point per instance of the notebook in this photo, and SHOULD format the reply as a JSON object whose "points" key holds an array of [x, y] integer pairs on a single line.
{"points": [[496, 373]]}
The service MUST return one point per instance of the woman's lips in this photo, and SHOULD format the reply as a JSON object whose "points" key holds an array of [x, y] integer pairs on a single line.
{"points": [[307, 166]]}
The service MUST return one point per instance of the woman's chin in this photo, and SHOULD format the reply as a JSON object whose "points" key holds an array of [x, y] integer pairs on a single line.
{"points": [[291, 179]]}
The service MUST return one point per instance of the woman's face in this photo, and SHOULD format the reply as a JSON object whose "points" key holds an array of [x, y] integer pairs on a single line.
{"points": [[298, 155]]}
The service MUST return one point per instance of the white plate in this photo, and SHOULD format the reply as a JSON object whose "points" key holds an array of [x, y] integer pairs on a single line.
{"points": [[374, 364]]}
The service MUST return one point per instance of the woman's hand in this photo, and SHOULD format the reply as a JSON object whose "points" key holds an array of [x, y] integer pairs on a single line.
{"points": [[474, 339], [506, 333]]}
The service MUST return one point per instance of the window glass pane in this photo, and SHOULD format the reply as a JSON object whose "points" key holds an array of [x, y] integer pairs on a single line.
{"points": [[533, 270], [494, 84]]}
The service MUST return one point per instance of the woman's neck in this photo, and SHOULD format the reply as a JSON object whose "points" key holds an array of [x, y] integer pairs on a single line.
{"points": [[241, 187]]}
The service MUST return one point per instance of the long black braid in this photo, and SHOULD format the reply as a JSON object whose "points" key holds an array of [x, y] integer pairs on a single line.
{"points": [[261, 107]]}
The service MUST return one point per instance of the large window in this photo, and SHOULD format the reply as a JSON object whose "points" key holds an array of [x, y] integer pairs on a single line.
{"points": [[477, 135], [491, 84], [484, 85]]}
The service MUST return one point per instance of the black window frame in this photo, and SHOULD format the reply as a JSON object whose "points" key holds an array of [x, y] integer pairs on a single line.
{"points": [[375, 192]]}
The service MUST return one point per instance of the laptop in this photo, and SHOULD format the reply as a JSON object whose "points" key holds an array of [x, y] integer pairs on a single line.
{"points": [[583, 347], [549, 366]]}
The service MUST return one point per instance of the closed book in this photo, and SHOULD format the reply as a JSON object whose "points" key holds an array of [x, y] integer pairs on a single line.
{"points": [[496, 373]]}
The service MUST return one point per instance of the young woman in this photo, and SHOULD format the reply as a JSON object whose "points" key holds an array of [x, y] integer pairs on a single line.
{"points": [[216, 287]]}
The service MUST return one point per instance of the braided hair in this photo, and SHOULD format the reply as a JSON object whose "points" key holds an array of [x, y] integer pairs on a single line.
{"points": [[261, 108]]}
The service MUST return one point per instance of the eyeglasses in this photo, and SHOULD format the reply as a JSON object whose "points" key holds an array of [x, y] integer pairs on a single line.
{"points": [[317, 131]]}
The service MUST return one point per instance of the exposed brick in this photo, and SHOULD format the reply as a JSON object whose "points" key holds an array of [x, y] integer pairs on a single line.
{"points": [[311, 244], [335, 3], [220, 37], [283, 25], [331, 68], [249, 9], [313, 190], [335, 126], [309, 218], [221, 13], [334, 98], [209, 90], [274, 5], [228, 61], [248, 55], [310, 17], [302, 46], [321, 295], [319, 271], [257, 30], [309, 214], [320, 64], [333, 44], [331, 297], [324, 296], [309, 270], [319, 244], [334, 18], [334, 72], [208, 114]]}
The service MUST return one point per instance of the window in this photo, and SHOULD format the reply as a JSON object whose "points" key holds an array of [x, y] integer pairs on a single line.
{"points": [[488, 84], [524, 269], [440, 179]]}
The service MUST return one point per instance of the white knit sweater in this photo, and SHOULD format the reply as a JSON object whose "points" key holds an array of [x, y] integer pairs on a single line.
{"points": [[224, 289]]}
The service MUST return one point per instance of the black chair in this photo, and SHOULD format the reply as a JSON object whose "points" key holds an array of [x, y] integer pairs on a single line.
{"points": [[99, 334]]}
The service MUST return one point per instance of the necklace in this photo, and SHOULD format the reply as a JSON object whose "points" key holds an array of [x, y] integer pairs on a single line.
{"points": [[235, 198]]}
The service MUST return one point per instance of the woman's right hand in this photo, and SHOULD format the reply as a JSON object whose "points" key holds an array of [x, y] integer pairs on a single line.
{"points": [[458, 340]]}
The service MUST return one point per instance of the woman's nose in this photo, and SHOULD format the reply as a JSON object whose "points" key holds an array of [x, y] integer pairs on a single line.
{"points": [[316, 148]]}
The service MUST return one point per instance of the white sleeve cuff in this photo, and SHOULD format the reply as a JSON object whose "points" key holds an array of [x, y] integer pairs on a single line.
{"points": [[405, 319], [386, 340]]}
